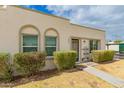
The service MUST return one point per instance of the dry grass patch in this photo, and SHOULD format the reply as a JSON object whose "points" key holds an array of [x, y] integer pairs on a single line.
{"points": [[68, 79], [115, 68]]}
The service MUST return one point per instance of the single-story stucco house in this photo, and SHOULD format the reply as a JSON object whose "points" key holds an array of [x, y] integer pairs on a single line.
{"points": [[24, 30]]}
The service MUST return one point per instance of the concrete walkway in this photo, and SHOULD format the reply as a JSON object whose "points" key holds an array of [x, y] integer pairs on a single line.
{"points": [[115, 81]]}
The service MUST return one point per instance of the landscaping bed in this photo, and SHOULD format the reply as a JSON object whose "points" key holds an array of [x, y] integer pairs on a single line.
{"points": [[115, 68], [19, 80], [67, 79], [28, 65]]}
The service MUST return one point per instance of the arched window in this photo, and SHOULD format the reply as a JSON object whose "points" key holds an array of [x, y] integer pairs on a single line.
{"points": [[51, 41], [29, 39]]}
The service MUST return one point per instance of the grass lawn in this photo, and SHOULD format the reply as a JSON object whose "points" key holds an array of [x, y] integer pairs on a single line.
{"points": [[116, 68], [68, 79]]}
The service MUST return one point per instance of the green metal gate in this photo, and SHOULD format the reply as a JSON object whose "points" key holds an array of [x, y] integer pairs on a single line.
{"points": [[121, 47]]}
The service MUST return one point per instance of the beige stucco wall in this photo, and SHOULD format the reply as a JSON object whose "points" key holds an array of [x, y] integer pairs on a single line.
{"points": [[12, 19]]}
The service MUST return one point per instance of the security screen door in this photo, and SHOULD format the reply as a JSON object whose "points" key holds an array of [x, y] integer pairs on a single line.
{"points": [[75, 46]]}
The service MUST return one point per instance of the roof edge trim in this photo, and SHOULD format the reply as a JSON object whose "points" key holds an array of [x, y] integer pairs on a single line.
{"points": [[40, 12], [88, 27]]}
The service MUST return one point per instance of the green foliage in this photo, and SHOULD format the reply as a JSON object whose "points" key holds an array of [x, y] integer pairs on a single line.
{"points": [[29, 63], [65, 59], [102, 55], [5, 67], [118, 41]]}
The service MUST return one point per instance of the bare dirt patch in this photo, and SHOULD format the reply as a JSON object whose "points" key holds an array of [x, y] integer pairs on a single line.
{"points": [[74, 78], [115, 68]]}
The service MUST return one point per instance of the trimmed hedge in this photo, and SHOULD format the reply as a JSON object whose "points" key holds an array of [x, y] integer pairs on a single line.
{"points": [[5, 67], [29, 63], [102, 55], [65, 59]]}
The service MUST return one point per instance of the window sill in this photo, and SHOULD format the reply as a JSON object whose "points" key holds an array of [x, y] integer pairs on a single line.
{"points": [[49, 57]]}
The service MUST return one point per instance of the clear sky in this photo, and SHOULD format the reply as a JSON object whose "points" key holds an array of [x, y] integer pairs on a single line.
{"points": [[109, 18]]}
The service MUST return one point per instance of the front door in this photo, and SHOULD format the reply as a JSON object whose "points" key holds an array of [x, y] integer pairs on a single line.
{"points": [[75, 47]]}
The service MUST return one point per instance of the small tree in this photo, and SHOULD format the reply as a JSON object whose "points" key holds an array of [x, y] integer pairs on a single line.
{"points": [[117, 41]]}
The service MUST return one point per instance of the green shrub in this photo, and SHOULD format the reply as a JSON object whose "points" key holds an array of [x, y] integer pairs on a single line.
{"points": [[65, 59], [29, 63], [5, 67], [102, 55]]}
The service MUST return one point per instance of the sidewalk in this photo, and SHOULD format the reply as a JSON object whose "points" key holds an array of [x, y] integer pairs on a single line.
{"points": [[115, 81]]}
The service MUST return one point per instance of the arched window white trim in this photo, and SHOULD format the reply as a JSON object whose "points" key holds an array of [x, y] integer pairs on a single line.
{"points": [[51, 41], [29, 39]]}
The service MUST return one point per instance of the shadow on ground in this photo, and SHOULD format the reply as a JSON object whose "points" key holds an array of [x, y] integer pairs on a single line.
{"points": [[18, 80], [108, 62]]}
